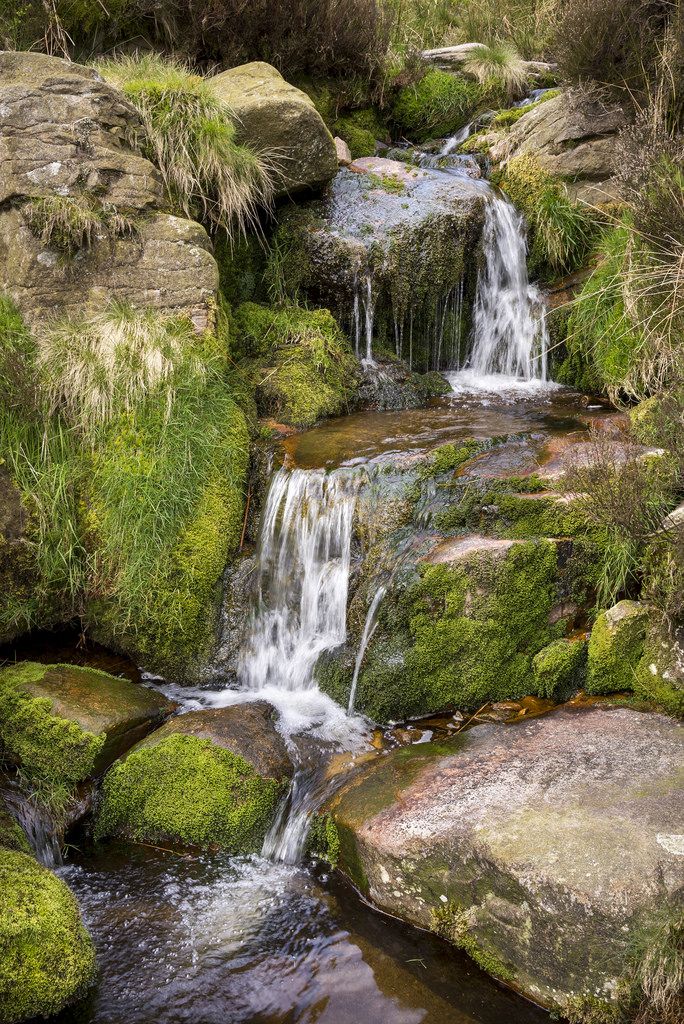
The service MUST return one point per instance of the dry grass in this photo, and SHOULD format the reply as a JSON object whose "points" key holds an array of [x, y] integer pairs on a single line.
{"points": [[190, 135], [72, 223], [499, 67]]}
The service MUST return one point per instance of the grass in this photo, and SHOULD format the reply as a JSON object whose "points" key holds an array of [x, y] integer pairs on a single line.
{"points": [[72, 223], [436, 106], [191, 136], [498, 67]]}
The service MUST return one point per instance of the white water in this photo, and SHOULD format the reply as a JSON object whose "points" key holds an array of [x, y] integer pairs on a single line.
{"points": [[510, 336], [364, 316], [368, 630], [456, 140]]}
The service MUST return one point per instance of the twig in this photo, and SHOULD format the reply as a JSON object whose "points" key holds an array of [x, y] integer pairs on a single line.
{"points": [[244, 524], [472, 717]]}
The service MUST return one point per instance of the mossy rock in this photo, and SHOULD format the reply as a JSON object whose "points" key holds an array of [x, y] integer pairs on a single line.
{"points": [[436, 106], [361, 129], [560, 668], [47, 959], [616, 647], [62, 724], [208, 779], [12, 835]]}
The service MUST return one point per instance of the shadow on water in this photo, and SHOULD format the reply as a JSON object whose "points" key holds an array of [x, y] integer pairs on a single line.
{"points": [[244, 941]]}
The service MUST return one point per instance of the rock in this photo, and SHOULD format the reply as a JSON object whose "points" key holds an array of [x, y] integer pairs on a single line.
{"points": [[63, 724], [63, 138], [572, 136], [207, 779], [47, 959], [344, 157], [386, 246], [280, 121], [545, 849], [452, 57], [391, 385], [560, 668], [616, 647], [12, 835]]}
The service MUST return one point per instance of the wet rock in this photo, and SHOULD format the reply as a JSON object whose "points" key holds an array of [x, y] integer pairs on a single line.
{"points": [[63, 139], [573, 136], [47, 959], [12, 835], [63, 724], [545, 849], [344, 157], [391, 385], [281, 121], [210, 779]]}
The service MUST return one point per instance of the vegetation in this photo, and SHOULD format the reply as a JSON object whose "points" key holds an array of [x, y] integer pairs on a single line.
{"points": [[188, 790], [499, 68], [190, 135], [72, 223], [47, 959], [559, 669], [438, 105]]}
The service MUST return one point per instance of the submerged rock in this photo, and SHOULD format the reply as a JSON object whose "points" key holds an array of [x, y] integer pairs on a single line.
{"points": [[47, 959], [548, 850], [279, 120], [208, 779]]}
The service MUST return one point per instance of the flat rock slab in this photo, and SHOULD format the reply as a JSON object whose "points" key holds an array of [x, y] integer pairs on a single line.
{"points": [[556, 838], [245, 729]]}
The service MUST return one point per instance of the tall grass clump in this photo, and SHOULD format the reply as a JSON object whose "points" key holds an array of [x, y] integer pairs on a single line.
{"points": [[72, 223], [499, 68], [102, 364], [190, 135]]}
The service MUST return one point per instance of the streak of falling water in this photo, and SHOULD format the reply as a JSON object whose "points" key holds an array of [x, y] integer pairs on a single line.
{"points": [[510, 336], [456, 140], [368, 630], [363, 316]]}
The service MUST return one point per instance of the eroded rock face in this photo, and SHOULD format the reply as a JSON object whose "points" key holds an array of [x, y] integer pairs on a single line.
{"points": [[543, 848], [280, 121], [572, 136], [63, 133]]}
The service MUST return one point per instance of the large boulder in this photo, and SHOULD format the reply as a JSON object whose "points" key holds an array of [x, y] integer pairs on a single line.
{"points": [[549, 850], [210, 779], [64, 156], [572, 136], [62, 724], [280, 121], [47, 959]]}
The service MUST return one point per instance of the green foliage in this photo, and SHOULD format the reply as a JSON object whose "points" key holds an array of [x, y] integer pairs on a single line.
{"points": [[360, 129], [499, 68], [560, 668], [506, 118], [305, 369], [562, 230], [324, 839], [616, 647], [190, 135], [453, 923], [47, 959], [188, 790], [72, 223], [438, 105]]}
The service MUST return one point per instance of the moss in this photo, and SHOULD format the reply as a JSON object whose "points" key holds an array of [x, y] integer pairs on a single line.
{"points": [[508, 117], [360, 129], [657, 679], [586, 1009], [12, 835], [304, 368], [47, 959], [438, 105], [52, 751], [70, 224], [616, 647], [242, 265], [453, 923], [324, 839], [450, 457], [559, 669], [499, 509], [188, 790]]}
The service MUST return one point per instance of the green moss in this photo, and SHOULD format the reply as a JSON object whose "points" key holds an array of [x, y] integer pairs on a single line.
{"points": [[242, 265], [324, 839], [561, 230], [453, 923], [586, 1009], [508, 117], [450, 457], [616, 647], [559, 669], [47, 959], [52, 751], [438, 105], [360, 129], [12, 835], [512, 508], [187, 790], [304, 368]]}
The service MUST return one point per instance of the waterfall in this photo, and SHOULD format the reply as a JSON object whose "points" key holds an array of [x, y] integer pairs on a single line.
{"points": [[363, 316], [368, 630], [509, 328]]}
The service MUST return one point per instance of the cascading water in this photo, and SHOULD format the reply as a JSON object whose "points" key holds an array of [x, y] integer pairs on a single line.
{"points": [[510, 336], [364, 316], [368, 630]]}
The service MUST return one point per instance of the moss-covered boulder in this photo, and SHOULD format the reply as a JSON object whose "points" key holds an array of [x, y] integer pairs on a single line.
{"points": [[280, 120], [303, 366], [549, 850], [62, 724], [616, 647], [210, 779], [47, 959], [389, 248], [437, 105], [560, 668]]}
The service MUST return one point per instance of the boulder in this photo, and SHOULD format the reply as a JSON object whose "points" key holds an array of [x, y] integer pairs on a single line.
{"points": [[616, 647], [450, 58], [572, 136], [548, 849], [344, 157], [62, 724], [280, 121], [47, 958], [63, 140], [210, 779]]}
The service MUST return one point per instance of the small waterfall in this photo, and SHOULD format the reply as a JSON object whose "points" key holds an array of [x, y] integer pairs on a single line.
{"points": [[456, 140], [363, 316], [37, 823], [510, 336], [368, 630]]}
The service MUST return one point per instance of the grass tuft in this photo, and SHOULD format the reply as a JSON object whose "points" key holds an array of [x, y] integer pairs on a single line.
{"points": [[498, 67], [72, 223]]}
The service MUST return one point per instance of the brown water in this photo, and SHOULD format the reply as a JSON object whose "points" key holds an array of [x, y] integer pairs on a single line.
{"points": [[215, 940]]}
